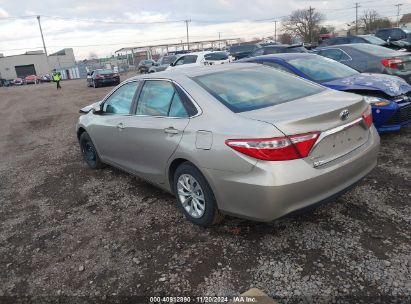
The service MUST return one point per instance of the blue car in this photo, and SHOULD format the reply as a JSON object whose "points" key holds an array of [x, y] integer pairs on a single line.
{"points": [[389, 96]]}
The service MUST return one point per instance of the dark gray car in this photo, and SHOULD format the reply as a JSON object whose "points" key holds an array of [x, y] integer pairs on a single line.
{"points": [[368, 58], [162, 63]]}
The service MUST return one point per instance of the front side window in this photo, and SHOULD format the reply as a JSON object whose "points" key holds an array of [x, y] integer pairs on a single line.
{"points": [[216, 56], [322, 69], [252, 88], [159, 98], [120, 101]]}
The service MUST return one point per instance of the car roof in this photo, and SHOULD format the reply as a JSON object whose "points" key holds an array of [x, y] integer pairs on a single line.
{"points": [[284, 56], [194, 71]]}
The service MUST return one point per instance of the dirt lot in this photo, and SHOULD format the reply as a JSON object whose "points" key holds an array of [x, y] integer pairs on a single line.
{"points": [[68, 230]]}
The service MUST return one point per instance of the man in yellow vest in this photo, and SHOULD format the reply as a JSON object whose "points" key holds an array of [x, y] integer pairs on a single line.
{"points": [[56, 78]]}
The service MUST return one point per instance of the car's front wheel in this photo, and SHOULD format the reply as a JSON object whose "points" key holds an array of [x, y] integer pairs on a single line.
{"points": [[89, 152], [95, 85], [195, 197]]}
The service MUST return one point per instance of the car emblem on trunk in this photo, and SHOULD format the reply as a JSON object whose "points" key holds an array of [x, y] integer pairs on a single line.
{"points": [[344, 114]]}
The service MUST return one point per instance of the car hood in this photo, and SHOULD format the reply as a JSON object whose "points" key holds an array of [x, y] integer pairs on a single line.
{"points": [[390, 85]]}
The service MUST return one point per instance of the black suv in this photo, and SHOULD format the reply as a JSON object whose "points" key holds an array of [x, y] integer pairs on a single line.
{"points": [[394, 34], [396, 37]]}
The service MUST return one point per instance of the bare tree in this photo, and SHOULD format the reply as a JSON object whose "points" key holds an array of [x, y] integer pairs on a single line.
{"points": [[371, 20], [305, 24], [286, 38]]}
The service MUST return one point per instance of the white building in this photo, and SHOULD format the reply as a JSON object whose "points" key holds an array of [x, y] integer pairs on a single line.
{"points": [[35, 63]]}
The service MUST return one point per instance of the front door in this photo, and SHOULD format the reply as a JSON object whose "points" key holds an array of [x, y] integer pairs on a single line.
{"points": [[154, 132], [107, 130]]}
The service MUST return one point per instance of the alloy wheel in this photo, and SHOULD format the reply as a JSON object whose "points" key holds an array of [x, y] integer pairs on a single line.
{"points": [[191, 195]]}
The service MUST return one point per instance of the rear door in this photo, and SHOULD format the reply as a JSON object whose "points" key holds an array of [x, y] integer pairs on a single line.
{"points": [[154, 131]]}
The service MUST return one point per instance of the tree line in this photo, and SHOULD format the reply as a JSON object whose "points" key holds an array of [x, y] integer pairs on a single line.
{"points": [[307, 25]]}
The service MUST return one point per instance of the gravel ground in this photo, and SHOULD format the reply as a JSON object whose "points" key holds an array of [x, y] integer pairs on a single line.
{"points": [[68, 230]]}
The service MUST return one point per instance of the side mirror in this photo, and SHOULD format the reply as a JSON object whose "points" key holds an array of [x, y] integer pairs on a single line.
{"points": [[97, 109], [172, 64]]}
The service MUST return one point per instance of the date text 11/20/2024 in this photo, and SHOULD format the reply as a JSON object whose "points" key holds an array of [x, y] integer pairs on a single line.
{"points": [[203, 299]]}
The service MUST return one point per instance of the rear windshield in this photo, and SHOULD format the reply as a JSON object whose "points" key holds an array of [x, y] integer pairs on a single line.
{"points": [[104, 71], [322, 69], [375, 50], [242, 48], [216, 56], [253, 88]]}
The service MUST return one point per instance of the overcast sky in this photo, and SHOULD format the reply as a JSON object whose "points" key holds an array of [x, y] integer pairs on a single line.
{"points": [[233, 18]]}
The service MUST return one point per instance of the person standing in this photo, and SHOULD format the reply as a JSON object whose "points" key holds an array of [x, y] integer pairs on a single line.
{"points": [[56, 78]]}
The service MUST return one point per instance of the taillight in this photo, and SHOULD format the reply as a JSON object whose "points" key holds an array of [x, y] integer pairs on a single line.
{"points": [[116, 75], [367, 116], [277, 148], [98, 76], [392, 63]]}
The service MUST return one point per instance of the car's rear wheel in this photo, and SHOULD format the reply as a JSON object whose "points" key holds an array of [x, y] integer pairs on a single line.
{"points": [[89, 152], [195, 197]]}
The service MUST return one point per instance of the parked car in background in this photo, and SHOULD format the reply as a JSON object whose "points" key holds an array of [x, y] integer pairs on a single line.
{"points": [[400, 37], [238, 51], [368, 58], [101, 77], [371, 39], [18, 81], [45, 78], [163, 63], [389, 96], [249, 141], [5, 83], [145, 65], [281, 48], [32, 79], [352, 39], [200, 58]]}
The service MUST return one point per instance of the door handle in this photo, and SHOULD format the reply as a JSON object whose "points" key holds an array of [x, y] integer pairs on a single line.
{"points": [[120, 126], [171, 130]]}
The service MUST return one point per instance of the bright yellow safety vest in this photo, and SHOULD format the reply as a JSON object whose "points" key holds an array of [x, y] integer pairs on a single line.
{"points": [[56, 77]]}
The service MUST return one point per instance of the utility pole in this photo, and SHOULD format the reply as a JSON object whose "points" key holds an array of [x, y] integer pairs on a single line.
{"points": [[219, 40], [310, 28], [275, 31], [188, 42], [398, 13], [42, 37], [357, 5]]}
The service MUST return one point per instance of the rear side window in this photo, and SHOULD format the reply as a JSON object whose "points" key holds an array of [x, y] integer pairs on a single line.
{"points": [[120, 101], [253, 88], [216, 56], [159, 98], [276, 66], [335, 54]]}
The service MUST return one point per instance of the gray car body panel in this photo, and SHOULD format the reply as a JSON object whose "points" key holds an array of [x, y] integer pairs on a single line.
{"points": [[243, 186]]}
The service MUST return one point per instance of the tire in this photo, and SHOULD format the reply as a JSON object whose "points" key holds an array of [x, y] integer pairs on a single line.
{"points": [[202, 211], [95, 85], [89, 152]]}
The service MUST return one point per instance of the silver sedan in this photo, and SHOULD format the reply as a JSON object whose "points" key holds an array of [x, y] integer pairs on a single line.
{"points": [[239, 139]]}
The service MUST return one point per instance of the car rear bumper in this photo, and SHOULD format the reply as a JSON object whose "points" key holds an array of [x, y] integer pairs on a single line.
{"points": [[274, 189]]}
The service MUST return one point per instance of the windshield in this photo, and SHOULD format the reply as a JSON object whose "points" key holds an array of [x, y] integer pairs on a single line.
{"points": [[253, 88], [374, 40], [168, 59], [322, 69]]}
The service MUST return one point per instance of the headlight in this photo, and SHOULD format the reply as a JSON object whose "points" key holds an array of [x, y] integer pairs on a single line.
{"points": [[376, 101]]}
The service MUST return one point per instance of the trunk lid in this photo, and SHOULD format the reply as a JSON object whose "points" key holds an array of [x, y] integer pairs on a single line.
{"points": [[321, 112]]}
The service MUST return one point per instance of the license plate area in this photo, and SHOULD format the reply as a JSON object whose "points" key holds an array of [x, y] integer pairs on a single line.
{"points": [[337, 143]]}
